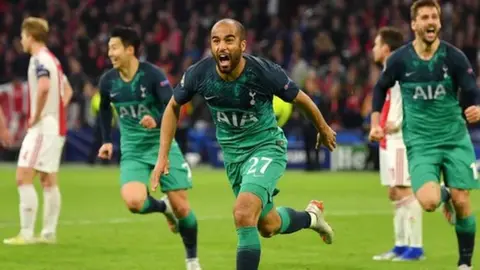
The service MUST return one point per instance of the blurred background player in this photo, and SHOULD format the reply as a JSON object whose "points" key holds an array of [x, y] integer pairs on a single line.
{"points": [[239, 90], [407, 221], [430, 72], [140, 91], [42, 146]]}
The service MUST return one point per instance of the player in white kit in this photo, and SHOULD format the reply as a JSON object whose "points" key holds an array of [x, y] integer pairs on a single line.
{"points": [[42, 146], [394, 166]]}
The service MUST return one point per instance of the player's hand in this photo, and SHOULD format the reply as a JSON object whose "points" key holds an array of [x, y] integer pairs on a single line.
{"points": [[33, 121], [472, 114], [161, 168], [327, 137], [376, 134], [148, 122], [106, 151], [391, 128], [5, 139]]}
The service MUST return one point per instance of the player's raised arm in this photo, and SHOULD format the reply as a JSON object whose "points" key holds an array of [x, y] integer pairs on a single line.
{"points": [[288, 91], [43, 75], [466, 79]]}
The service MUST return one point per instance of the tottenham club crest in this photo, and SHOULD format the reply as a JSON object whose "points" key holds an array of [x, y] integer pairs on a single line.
{"points": [[143, 89], [252, 95]]}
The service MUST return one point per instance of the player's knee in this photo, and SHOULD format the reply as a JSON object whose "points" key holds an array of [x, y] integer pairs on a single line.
{"points": [[267, 230], [392, 195], [24, 176], [460, 199], [48, 180], [429, 204], [134, 204], [244, 217], [181, 208]]}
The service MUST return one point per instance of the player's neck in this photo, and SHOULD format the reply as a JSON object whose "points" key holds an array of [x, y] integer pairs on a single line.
{"points": [[235, 73], [425, 51], [36, 47], [128, 72]]}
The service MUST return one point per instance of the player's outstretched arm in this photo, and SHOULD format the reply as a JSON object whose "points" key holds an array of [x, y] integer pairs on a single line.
{"points": [[326, 135]]}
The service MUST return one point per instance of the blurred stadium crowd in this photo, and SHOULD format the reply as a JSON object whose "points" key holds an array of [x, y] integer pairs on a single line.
{"points": [[324, 45]]}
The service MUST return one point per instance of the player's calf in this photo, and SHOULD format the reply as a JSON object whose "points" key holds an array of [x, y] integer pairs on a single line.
{"points": [[137, 199], [246, 213], [186, 220], [465, 226], [51, 206], [28, 206]]}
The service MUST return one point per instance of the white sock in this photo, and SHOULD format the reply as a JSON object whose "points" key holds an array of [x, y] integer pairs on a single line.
{"points": [[415, 223], [399, 224], [51, 209], [28, 209]]}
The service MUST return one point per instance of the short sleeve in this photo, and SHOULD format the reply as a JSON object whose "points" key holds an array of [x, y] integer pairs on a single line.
{"points": [[283, 86], [161, 86], [185, 90], [41, 68]]}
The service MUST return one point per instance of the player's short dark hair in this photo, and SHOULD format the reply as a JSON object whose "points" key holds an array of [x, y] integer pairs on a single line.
{"points": [[423, 3], [240, 28], [128, 36], [391, 36]]}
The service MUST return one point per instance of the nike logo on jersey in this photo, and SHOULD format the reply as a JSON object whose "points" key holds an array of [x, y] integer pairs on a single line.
{"points": [[408, 74], [210, 97], [113, 94]]}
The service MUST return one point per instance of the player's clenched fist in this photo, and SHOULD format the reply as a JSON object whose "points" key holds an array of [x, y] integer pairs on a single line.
{"points": [[106, 151], [148, 122], [5, 138], [161, 168], [327, 137], [376, 134], [472, 114]]}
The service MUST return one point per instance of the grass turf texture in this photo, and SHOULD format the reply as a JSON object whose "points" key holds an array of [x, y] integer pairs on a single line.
{"points": [[97, 232]]}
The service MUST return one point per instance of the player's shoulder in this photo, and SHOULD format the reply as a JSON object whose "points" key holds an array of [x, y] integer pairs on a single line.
{"points": [[451, 50], [199, 70], [261, 63], [107, 76], [151, 68], [401, 52], [44, 57]]}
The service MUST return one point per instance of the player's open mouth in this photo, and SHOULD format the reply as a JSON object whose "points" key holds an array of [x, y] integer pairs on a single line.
{"points": [[224, 59], [431, 32]]}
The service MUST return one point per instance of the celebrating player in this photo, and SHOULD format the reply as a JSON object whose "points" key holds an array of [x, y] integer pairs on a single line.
{"points": [[407, 221], [42, 146], [239, 89], [5, 138], [430, 72], [140, 92]]}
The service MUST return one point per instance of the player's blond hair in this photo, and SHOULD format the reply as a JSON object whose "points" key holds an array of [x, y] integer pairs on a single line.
{"points": [[423, 3], [37, 28]]}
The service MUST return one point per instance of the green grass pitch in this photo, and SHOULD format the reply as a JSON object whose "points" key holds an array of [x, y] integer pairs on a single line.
{"points": [[97, 232]]}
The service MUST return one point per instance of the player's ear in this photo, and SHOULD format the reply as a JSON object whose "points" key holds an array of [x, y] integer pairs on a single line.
{"points": [[412, 25], [243, 45]]}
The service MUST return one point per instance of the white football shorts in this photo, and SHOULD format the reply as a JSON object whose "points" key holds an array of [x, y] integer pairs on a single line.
{"points": [[41, 152]]}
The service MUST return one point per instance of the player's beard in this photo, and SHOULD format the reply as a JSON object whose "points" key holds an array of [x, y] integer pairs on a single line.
{"points": [[230, 65], [425, 36]]}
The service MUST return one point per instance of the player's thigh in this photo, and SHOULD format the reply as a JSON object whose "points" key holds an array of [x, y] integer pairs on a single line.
{"points": [[460, 168], [261, 173], [180, 174], [424, 166], [28, 154], [234, 176], [385, 179], [398, 166]]}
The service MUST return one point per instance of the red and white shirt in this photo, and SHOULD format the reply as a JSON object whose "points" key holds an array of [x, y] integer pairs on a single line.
{"points": [[392, 111], [53, 116]]}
